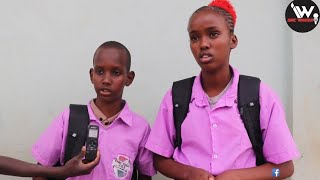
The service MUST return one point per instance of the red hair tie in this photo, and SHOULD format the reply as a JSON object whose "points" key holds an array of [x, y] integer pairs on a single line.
{"points": [[226, 5]]}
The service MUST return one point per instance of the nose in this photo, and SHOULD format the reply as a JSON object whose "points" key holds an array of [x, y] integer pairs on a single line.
{"points": [[204, 43], [107, 79]]}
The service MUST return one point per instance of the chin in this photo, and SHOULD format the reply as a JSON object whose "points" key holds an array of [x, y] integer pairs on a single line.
{"points": [[106, 99], [209, 69]]}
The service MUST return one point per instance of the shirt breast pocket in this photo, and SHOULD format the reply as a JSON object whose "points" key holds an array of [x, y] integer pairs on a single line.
{"points": [[121, 165]]}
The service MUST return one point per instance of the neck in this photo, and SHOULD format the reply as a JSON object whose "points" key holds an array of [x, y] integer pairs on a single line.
{"points": [[109, 109], [214, 82]]}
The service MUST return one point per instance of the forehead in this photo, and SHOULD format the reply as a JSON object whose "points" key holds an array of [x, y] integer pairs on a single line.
{"points": [[205, 19], [110, 55]]}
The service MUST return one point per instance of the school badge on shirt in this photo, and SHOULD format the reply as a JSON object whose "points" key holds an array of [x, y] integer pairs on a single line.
{"points": [[121, 166]]}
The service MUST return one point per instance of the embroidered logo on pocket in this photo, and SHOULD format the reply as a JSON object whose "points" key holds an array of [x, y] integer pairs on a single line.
{"points": [[121, 166]]}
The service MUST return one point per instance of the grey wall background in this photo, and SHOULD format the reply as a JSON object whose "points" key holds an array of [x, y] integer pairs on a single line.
{"points": [[46, 50]]}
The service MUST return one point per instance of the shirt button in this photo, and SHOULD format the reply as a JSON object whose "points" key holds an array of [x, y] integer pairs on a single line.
{"points": [[215, 156], [214, 125]]}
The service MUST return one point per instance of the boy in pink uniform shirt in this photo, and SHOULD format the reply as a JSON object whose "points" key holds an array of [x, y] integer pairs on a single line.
{"points": [[215, 143], [122, 133]]}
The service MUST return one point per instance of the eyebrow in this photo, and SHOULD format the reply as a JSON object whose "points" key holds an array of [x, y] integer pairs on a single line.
{"points": [[117, 66], [209, 28], [212, 28]]}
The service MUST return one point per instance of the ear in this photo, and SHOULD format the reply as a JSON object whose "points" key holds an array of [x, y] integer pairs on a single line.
{"points": [[130, 78], [91, 74], [234, 41]]}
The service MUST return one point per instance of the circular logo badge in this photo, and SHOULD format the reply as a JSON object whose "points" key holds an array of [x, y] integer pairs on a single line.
{"points": [[121, 166], [302, 15]]}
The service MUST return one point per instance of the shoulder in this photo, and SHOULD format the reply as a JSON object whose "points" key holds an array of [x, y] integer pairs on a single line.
{"points": [[168, 95], [182, 85], [140, 120], [62, 118], [272, 110], [268, 95], [66, 112]]}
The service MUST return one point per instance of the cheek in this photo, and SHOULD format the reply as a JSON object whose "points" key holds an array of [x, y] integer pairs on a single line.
{"points": [[95, 79], [120, 83], [222, 46], [193, 49]]}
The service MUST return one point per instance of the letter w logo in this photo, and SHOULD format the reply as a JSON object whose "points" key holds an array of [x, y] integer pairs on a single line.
{"points": [[300, 13]]}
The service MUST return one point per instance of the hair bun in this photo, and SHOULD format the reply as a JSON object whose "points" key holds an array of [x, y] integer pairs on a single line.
{"points": [[227, 6]]}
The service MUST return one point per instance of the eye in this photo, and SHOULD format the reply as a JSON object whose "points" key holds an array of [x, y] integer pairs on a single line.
{"points": [[116, 73], [193, 37], [213, 34], [99, 71]]}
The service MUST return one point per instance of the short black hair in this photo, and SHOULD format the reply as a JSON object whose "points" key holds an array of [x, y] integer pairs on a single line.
{"points": [[227, 15], [117, 45]]}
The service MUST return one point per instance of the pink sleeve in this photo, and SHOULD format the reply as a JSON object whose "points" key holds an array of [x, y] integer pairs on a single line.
{"points": [[161, 138], [279, 146], [144, 160], [48, 148]]}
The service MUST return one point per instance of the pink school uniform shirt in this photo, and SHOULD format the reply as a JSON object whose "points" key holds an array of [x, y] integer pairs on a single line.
{"points": [[215, 139], [121, 145]]}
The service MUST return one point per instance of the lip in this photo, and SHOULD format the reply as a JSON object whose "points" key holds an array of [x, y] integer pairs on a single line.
{"points": [[105, 91], [205, 57]]}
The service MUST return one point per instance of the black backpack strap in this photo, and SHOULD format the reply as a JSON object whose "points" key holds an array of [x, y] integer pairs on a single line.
{"points": [[249, 108], [134, 173], [77, 130], [181, 95]]}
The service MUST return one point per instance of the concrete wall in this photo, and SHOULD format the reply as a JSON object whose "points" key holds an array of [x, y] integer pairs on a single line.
{"points": [[306, 102]]}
